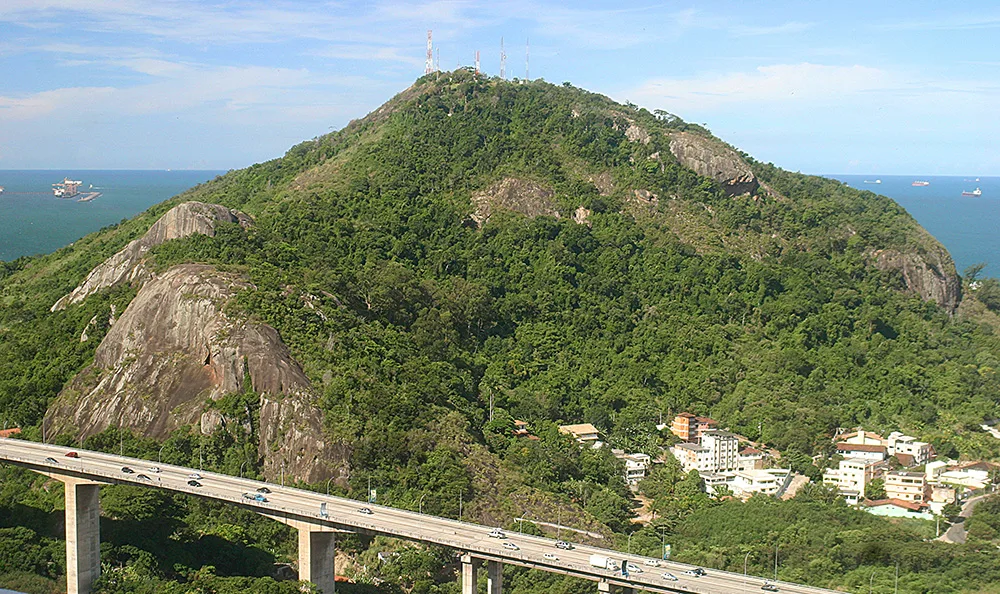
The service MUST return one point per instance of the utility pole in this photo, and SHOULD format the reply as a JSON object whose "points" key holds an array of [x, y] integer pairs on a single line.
{"points": [[775, 561]]}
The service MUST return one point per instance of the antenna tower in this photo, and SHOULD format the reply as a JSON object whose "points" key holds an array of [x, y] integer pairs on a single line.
{"points": [[437, 64], [527, 53], [503, 61], [477, 62], [429, 65]]}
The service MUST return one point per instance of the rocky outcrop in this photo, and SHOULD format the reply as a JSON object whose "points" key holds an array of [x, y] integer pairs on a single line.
{"points": [[128, 265], [173, 350], [516, 195], [930, 274], [710, 158]]}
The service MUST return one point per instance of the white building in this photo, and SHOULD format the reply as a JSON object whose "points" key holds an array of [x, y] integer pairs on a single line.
{"points": [[693, 457], [725, 449], [871, 452], [750, 459], [904, 446], [851, 477], [750, 482], [636, 465], [972, 475], [906, 486], [713, 480]]}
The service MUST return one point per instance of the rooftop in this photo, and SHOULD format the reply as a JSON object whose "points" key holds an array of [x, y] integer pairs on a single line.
{"points": [[857, 447], [910, 505], [691, 446], [580, 429]]}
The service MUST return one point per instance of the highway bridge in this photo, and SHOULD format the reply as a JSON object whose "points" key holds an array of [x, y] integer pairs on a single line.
{"points": [[318, 518]]}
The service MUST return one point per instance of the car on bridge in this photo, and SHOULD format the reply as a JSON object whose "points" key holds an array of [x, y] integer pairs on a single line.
{"points": [[51, 461], [696, 572], [497, 533], [143, 477], [194, 483], [155, 469], [127, 470], [365, 510], [194, 476], [255, 497], [769, 587], [511, 546], [669, 577], [263, 490], [72, 455], [651, 563], [550, 557], [562, 544], [632, 567]]}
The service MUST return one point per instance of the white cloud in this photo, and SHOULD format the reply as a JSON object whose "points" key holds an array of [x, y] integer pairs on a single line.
{"points": [[765, 84]]}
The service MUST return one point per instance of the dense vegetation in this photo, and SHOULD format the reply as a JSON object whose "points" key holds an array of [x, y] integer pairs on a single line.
{"points": [[762, 311]]}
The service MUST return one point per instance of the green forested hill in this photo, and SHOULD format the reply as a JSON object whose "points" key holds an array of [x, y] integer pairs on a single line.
{"points": [[765, 311]]}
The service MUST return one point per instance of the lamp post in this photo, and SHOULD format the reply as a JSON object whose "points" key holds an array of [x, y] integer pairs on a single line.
{"points": [[328, 485], [241, 468], [559, 523], [745, 560], [870, 580], [420, 504], [895, 586], [775, 561], [663, 544], [159, 455]]}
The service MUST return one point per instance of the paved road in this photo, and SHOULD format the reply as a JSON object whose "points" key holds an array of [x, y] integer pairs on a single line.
{"points": [[957, 533], [344, 514]]}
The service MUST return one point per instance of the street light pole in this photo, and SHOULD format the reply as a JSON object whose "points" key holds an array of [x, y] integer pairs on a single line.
{"points": [[870, 580], [628, 549], [745, 560], [241, 468], [328, 485], [775, 561], [895, 587], [559, 523], [159, 455], [420, 504]]}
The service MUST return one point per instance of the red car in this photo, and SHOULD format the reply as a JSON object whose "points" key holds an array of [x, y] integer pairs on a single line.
{"points": [[72, 455]]}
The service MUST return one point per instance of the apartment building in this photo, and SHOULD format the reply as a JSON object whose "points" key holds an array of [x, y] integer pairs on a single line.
{"points": [[908, 449], [690, 427], [906, 486], [725, 449], [851, 477], [693, 456]]}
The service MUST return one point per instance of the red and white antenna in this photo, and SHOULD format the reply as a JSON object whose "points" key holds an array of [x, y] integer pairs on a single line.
{"points": [[477, 62], [503, 61], [429, 65], [527, 52]]}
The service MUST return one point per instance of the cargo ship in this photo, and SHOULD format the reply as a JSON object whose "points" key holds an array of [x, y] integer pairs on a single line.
{"points": [[919, 183], [977, 192], [67, 188]]}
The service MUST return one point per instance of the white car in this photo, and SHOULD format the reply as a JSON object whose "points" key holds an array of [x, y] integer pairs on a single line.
{"points": [[669, 577], [651, 563], [511, 546], [550, 557], [194, 476], [696, 572], [633, 568], [155, 469], [497, 533]]}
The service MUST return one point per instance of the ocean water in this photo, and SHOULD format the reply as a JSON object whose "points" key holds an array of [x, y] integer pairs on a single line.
{"points": [[33, 221], [968, 226]]}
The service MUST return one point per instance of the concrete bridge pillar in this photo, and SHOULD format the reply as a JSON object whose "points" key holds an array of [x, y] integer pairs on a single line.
{"points": [[494, 577], [83, 535], [603, 587], [469, 575], [316, 552]]}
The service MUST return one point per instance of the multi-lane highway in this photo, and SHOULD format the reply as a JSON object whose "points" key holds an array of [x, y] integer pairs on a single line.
{"points": [[347, 514]]}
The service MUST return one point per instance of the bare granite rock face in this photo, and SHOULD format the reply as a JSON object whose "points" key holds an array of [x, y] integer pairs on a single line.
{"points": [[173, 350], [713, 159], [517, 195], [930, 275], [128, 265]]}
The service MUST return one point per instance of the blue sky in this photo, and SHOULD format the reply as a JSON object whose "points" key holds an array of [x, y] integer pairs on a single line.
{"points": [[818, 87]]}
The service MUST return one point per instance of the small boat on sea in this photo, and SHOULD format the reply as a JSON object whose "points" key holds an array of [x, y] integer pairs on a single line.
{"points": [[1, 189], [920, 184], [878, 181], [977, 192]]}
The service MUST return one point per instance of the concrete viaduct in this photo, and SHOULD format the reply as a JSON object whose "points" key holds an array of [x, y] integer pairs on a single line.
{"points": [[318, 518]]}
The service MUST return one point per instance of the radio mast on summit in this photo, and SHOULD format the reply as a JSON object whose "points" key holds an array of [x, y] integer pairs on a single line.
{"points": [[503, 61], [429, 66], [477, 62]]}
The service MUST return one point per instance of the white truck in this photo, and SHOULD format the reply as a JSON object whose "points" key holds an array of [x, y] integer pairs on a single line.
{"points": [[605, 562]]}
